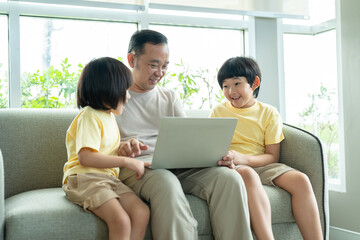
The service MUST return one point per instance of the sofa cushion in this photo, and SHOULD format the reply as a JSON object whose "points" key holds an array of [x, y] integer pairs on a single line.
{"points": [[47, 213], [280, 201]]}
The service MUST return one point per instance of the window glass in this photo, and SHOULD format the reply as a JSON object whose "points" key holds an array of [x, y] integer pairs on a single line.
{"points": [[311, 90], [196, 54], [4, 82], [54, 51]]}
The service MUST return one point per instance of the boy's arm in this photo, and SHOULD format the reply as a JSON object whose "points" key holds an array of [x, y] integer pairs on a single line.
{"points": [[271, 155]]}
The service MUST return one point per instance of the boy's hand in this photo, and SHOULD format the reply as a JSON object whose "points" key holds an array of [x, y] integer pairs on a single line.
{"points": [[228, 160], [138, 167], [131, 148]]}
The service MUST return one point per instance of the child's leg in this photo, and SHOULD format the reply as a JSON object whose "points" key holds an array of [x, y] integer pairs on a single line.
{"points": [[116, 218], [259, 204], [304, 204], [138, 212]]}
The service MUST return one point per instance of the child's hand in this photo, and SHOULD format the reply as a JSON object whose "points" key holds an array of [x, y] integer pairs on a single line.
{"points": [[228, 160], [138, 167], [233, 158], [131, 148]]}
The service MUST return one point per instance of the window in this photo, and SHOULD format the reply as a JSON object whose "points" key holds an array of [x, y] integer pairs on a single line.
{"points": [[4, 82], [311, 91], [196, 54], [54, 51]]}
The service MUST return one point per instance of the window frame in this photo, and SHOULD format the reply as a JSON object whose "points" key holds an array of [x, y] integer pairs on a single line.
{"points": [[340, 184]]}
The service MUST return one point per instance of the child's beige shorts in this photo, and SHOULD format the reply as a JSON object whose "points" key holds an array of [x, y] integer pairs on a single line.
{"points": [[269, 172], [91, 190]]}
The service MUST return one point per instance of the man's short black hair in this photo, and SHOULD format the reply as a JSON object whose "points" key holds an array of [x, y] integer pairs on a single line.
{"points": [[240, 67], [103, 83], [140, 38]]}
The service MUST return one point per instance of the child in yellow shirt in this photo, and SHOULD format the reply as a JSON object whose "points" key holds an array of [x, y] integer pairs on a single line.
{"points": [[255, 151], [92, 140]]}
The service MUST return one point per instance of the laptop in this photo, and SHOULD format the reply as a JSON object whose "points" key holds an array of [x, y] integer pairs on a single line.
{"points": [[191, 142]]}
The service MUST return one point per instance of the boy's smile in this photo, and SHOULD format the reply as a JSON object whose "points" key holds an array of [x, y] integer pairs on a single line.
{"points": [[239, 92]]}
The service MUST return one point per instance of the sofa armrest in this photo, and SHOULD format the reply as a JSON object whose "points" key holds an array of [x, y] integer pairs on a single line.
{"points": [[303, 151], [2, 198]]}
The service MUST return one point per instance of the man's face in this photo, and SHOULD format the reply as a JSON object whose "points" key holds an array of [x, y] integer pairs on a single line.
{"points": [[150, 67]]}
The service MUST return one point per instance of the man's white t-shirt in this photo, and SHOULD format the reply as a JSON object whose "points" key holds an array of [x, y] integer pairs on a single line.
{"points": [[142, 115]]}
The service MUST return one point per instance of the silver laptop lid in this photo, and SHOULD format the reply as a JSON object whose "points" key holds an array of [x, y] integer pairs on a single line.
{"points": [[192, 142]]}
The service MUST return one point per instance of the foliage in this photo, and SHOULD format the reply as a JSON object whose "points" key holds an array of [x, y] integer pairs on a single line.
{"points": [[210, 82], [321, 118], [56, 88], [183, 83], [53, 88], [193, 86]]}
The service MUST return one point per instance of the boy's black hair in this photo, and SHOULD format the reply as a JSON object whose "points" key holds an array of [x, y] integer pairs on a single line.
{"points": [[140, 38], [103, 84], [240, 67]]}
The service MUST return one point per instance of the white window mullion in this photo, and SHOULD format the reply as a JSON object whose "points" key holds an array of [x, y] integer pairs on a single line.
{"points": [[265, 40], [144, 17], [14, 57]]}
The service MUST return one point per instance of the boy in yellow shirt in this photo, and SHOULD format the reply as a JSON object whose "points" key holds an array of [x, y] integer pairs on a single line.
{"points": [[255, 151]]}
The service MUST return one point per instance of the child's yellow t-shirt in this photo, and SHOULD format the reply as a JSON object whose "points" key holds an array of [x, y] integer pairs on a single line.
{"points": [[92, 129], [257, 126]]}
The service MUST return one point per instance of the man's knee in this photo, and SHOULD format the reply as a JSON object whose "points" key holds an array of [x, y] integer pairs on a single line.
{"points": [[162, 183], [228, 175], [162, 178], [226, 179]]}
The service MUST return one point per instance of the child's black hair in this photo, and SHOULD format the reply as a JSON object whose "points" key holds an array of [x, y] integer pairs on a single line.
{"points": [[240, 67], [103, 83]]}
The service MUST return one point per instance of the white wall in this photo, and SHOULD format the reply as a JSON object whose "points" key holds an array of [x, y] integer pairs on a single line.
{"points": [[345, 207]]}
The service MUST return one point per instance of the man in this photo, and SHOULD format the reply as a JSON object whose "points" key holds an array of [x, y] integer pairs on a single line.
{"points": [[222, 188]]}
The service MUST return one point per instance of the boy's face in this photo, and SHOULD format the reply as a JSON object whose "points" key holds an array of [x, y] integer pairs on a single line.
{"points": [[150, 67], [239, 92]]}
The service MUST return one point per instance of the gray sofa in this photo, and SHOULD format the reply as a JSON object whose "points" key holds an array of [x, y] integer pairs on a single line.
{"points": [[33, 205]]}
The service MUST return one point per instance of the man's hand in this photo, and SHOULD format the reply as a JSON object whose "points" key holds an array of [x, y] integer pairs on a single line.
{"points": [[131, 148]]}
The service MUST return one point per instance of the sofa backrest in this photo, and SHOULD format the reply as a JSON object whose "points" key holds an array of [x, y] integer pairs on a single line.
{"points": [[2, 198], [32, 142]]}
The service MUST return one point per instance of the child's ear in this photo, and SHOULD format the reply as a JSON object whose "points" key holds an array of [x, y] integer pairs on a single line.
{"points": [[256, 83], [131, 60]]}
